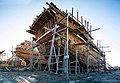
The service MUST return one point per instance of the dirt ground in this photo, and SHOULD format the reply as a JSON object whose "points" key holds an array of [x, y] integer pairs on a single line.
{"points": [[44, 77]]}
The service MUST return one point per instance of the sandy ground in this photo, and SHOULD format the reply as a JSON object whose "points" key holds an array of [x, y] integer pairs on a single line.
{"points": [[44, 77]]}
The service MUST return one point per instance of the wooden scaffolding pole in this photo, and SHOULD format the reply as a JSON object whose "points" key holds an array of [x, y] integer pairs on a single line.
{"points": [[32, 57], [52, 49]]}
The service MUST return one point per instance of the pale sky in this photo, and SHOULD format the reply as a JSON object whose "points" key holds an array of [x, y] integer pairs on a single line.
{"points": [[17, 15]]}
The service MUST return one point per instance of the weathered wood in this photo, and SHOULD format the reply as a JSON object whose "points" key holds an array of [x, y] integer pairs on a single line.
{"points": [[78, 33]]}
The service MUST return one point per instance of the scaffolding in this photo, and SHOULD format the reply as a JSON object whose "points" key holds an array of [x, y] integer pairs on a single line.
{"points": [[60, 56]]}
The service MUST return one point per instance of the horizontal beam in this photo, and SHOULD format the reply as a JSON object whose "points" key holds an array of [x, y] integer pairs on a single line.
{"points": [[55, 33], [79, 44]]}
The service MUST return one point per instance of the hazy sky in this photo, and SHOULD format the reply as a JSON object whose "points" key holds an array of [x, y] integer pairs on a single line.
{"points": [[17, 15]]}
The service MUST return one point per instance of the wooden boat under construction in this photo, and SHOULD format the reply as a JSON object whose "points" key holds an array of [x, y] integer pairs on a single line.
{"points": [[23, 51], [50, 27]]}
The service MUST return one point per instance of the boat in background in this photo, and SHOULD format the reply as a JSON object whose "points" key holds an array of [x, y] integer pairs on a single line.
{"points": [[24, 52]]}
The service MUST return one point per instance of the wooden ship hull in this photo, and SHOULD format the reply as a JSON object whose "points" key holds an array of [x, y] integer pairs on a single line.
{"points": [[23, 51], [44, 26], [18, 62], [26, 57]]}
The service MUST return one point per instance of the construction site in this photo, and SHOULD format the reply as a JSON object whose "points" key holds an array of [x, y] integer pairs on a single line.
{"points": [[61, 51]]}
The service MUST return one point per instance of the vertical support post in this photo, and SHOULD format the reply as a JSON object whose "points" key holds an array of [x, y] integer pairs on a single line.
{"points": [[77, 16], [7, 58], [4, 59], [82, 20], [69, 67], [13, 56], [51, 50], [98, 57], [88, 58], [39, 64], [88, 48], [12, 52], [87, 25], [66, 56], [64, 60], [105, 69], [104, 60], [31, 58], [72, 12], [67, 51], [79, 70], [1, 58], [57, 60], [76, 61], [90, 29]]}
